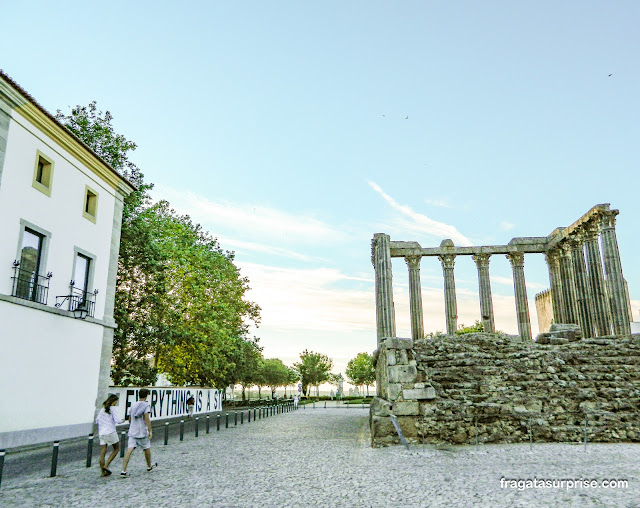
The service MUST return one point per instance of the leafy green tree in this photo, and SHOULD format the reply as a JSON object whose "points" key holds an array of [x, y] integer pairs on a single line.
{"points": [[275, 373], [360, 370], [292, 379], [313, 369]]}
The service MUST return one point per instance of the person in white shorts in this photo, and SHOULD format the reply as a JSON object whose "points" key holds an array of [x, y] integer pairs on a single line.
{"points": [[107, 420], [140, 431]]}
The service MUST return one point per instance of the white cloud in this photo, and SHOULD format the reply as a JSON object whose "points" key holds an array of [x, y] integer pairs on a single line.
{"points": [[309, 299], [506, 226], [441, 203], [509, 282], [250, 221], [420, 223]]}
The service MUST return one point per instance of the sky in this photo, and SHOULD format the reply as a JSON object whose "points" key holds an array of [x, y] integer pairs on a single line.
{"points": [[294, 131]]}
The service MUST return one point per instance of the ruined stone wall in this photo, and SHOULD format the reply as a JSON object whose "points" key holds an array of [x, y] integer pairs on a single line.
{"points": [[454, 388]]}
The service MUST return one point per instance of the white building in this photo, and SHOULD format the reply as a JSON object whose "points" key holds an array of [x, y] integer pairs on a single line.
{"points": [[60, 217]]}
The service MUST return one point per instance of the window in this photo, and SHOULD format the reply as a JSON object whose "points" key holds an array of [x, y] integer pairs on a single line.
{"points": [[43, 173], [28, 284], [90, 210], [81, 274]]}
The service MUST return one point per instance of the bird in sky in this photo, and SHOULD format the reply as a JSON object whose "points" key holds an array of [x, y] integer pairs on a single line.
{"points": [[610, 75], [406, 117]]}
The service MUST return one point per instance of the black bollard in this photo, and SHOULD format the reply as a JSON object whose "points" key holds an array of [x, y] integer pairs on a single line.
{"points": [[217, 422], [241, 417], [196, 426], [249, 416], [166, 433], [207, 424], [325, 404], [235, 418], [181, 430], [2, 452], [254, 414], [226, 423], [54, 458], [89, 450], [122, 443]]}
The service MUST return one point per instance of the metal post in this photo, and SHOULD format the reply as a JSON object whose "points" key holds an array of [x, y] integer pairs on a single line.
{"points": [[2, 453], [181, 430], [166, 433], [218, 422], [235, 418], [196, 426], [586, 423], [122, 443], [325, 404], [254, 414], [226, 420], [249, 416], [89, 450], [241, 417], [54, 458], [207, 424], [475, 425], [314, 404]]}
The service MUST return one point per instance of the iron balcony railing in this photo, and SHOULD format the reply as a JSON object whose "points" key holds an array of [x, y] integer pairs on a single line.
{"points": [[28, 285], [81, 303]]}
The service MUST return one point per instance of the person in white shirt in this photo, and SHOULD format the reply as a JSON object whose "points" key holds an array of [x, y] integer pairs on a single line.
{"points": [[107, 420], [140, 431]]}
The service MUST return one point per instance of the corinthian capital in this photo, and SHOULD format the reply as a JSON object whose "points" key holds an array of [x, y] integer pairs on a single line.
{"points": [[516, 259], [447, 260], [552, 256], [608, 219], [591, 230], [482, 260], [413, 262]]}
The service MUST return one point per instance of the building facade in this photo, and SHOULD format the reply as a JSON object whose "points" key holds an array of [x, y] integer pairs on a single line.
{"points": [[60, 218]]}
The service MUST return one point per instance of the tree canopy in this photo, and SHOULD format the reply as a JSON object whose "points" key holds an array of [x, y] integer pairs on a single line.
{"points": [[313, 369], [360, 370]]}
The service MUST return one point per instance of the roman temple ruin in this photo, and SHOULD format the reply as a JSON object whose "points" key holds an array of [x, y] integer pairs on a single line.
{"points": [[488, 387]]}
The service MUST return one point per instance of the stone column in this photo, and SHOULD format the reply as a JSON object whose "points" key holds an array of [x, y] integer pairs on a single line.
{"points": [[484, 285], [520, 287], [600, 301], [385, 312], [555, 283], [451, 308], [415, 297], [613, 271], [568, 285], [583, 298]]}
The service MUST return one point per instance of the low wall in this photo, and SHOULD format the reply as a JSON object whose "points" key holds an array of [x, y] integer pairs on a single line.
{"points": [[496, 388]]}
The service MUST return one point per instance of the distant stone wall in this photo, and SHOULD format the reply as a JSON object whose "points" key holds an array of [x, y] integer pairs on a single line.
{"points": [[454, 388], [544, 309]]}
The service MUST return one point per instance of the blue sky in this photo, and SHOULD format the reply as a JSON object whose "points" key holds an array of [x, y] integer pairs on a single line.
{"points": [[295, 131]]}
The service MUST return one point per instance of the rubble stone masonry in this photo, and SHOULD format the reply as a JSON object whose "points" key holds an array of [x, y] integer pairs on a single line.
{"points": [[491, 388]]}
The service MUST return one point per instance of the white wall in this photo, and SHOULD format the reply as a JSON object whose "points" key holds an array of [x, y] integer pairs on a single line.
{"points": [[60, 214], [48, 373]]}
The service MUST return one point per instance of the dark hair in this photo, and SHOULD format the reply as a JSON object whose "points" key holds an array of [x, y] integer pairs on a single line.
{"points": [[107, 403], [143, 393]]}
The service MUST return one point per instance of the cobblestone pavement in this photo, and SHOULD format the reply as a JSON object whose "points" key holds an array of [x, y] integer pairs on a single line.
{"points": [[321, 457]]}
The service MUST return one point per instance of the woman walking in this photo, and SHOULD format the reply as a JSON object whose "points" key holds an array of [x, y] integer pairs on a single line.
{"points": [[107, 420]]}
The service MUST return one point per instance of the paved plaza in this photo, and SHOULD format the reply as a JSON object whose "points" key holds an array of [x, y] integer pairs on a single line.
{"points": [[321, 457]]}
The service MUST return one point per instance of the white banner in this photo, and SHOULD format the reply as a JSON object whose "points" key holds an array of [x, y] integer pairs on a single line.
{"points": [[169, 401]]}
